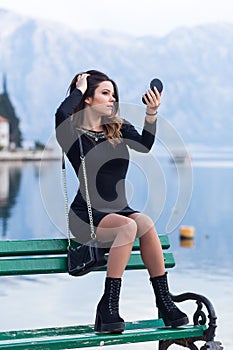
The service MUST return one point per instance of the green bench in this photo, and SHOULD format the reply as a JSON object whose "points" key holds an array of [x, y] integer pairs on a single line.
{"points": [[26, 257]]}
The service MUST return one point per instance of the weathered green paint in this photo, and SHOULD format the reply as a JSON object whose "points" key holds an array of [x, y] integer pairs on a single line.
{"points": [[84, 336], [50, 246], [70, 330], [24, 257], [58, 264]]}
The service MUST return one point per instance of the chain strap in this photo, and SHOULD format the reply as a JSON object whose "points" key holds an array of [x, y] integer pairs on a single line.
{"points": [[66, 200], [89, 208]]}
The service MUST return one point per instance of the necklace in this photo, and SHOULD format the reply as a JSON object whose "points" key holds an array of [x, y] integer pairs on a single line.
{"points": [[96, 135]]}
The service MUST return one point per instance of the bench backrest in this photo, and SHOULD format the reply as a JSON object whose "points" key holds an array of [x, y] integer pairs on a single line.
{"points": [[45, 256]]}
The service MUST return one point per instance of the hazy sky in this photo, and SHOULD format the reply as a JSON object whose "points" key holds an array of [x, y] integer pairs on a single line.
{"points": [[150, 17]]}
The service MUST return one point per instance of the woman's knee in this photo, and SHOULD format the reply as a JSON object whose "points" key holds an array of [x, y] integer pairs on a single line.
{"points": [[127, 233], [114, 225], [128, 229], [144, 224]]}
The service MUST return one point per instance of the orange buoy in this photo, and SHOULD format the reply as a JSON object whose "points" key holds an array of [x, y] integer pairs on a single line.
{"points": [[187, 232]]}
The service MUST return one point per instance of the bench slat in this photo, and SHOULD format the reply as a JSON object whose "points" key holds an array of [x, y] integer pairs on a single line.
{"points": [[48, 264], [50, 246], [77, 337], [70, 330]]}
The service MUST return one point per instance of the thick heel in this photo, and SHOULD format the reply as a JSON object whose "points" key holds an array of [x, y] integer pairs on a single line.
{"points": [[100, 327], [175, 323], [97, 325]]}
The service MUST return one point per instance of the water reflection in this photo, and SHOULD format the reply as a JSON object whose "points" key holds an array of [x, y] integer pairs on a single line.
{"points": [[10, 179], [22, 213]]}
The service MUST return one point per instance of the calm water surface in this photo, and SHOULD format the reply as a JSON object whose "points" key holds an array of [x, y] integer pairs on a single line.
{"points": [[31, 206]]}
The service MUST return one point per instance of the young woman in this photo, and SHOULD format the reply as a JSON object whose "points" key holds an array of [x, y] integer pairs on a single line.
{"points": [[91, 112]]}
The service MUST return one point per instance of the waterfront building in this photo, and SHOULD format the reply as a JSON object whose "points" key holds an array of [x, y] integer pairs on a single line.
{"points": [[7, 111], [4, 133]]}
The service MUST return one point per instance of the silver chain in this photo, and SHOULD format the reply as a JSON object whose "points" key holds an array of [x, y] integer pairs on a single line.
{"points": [[89, 208], [66, 204]]}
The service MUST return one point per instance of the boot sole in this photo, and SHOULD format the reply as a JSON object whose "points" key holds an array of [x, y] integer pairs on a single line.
{"points": [[177, 323], [114, 328]]}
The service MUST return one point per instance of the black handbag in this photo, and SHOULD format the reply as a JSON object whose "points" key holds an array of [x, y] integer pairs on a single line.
{"points": [[85, 258], [89, 256]]}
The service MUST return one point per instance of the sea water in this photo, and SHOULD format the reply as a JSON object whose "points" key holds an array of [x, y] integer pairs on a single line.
{"points": [[32, 206]]}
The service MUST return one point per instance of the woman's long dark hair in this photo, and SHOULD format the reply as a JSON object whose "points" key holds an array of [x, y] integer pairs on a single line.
{"points": [[111, 125]]}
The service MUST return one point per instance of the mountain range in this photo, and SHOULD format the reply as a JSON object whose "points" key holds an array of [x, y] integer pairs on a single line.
{"points": [[40, 58]]}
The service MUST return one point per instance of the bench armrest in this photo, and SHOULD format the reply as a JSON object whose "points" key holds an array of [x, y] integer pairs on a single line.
{"points": [[199, 317]]}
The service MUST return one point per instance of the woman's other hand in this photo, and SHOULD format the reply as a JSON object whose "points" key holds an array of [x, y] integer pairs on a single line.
{"points": [[153, 100]]}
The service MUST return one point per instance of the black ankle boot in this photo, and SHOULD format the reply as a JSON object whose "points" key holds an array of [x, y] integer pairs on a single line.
{"points": [[108, 319], [169, 312]]}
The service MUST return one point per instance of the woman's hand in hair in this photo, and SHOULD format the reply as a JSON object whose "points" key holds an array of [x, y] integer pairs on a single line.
{"points": [[81, 82]]}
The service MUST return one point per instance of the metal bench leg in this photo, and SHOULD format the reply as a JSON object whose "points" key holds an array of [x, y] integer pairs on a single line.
{"points": [[189, 344]]}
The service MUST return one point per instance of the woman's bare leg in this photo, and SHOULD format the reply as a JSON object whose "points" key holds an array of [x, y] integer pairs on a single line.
{"points": [[121, 231], [151, 250], [153, 258]]}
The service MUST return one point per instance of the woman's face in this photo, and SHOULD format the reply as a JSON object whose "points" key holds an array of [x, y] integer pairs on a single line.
{"points": [[103, 100]]}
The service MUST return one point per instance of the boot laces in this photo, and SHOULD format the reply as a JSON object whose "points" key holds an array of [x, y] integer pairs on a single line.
{"points": [[168, 303], [114, 298], [166, 297]]}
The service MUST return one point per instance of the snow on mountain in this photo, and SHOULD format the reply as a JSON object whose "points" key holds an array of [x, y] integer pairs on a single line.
{"points": [[196, 66]]}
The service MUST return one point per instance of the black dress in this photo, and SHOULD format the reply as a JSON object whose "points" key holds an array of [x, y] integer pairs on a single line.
{"points": [[106, 166]]}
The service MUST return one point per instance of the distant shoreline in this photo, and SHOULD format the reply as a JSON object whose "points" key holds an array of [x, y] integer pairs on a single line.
{"points": [[29, 155]]}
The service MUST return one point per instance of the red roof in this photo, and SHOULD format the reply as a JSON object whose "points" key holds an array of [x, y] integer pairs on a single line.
{"points": [[3, 120]]}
